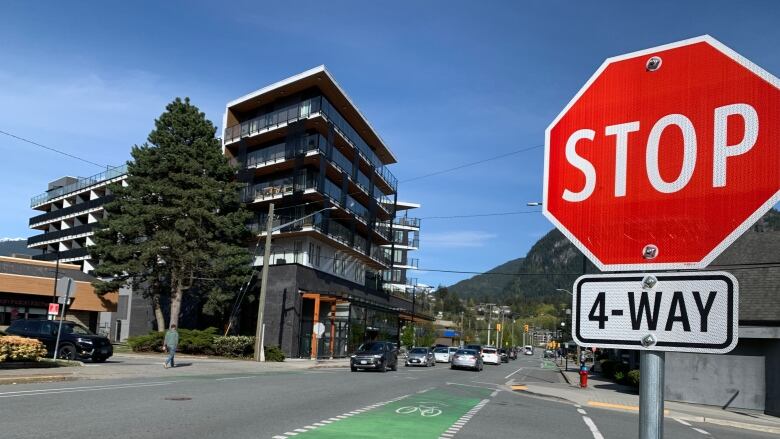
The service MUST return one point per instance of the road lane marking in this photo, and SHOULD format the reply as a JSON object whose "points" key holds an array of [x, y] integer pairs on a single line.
{"points": [[593, 429], [685, 423], [609, 405], [236, 378], [518, 370], [494, 393], [79, 389], [582, 412], [700, 430]]}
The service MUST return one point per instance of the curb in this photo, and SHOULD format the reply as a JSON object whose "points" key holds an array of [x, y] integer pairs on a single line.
{"points": [[726, 422], [35, 379]]}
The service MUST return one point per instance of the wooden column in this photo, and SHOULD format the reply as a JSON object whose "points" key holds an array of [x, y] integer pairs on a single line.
{"points": [[314, 339]]}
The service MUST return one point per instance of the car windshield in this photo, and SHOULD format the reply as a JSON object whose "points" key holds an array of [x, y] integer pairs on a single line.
{"points": [[419, 351], [372, 347], [72, 328], [441, 350], [466, 352]]}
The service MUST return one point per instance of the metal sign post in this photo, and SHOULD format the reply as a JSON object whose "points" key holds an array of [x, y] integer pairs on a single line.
{"points": [[64, 286], [651, 394]]}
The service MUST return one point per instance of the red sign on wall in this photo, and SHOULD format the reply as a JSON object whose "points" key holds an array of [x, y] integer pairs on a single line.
{"points": [[54, 309], [665, 156]]}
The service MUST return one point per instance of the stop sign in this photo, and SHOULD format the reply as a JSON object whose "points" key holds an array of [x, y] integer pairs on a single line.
{"points": [[665, 156]]}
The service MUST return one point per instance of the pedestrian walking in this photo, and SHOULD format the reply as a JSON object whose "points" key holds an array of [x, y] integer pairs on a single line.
{"points": [[169, 345]]}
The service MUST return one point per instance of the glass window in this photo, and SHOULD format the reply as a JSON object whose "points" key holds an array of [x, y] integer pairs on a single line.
{"points": [[73, 328]]}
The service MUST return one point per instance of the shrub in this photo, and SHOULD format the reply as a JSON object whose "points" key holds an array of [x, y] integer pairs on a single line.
{"points": [[633, 377], [619, 376], [191, 341], [273, 353], [151, 342], [234, 346], [608, 368], [20, 349]]}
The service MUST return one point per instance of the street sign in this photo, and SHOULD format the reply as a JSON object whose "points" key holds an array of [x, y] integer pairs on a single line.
{"points": [[65, 286], [319, 329], [664, 157], [686, 312], [54, 309]]}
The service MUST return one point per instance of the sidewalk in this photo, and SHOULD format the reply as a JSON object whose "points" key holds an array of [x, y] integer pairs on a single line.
{"points": [[612, 396], [138, 365]]}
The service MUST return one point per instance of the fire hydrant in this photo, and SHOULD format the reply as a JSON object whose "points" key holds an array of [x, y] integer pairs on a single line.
{"points": [[584, 376]]}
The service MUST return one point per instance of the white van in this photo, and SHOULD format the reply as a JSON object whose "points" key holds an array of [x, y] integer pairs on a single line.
{"points": [[528, 350]]}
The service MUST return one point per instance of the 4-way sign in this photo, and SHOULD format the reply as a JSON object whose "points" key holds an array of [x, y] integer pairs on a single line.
{"points": [[689, 312]]}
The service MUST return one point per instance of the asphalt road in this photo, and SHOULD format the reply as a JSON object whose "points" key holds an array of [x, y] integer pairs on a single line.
{"points": [[309, 404]]}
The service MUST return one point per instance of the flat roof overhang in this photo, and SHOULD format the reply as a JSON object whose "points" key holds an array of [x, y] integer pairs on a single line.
{"points": [[321, 78]]}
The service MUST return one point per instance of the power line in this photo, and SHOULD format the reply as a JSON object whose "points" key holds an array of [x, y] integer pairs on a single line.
{"points": [[519, 212], [466, 165], [53, 149]]}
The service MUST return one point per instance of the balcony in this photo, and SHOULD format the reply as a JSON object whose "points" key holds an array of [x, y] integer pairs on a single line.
{"points": [[63, 255], [317, 106], [79, 185], [411, 242], [413, 223], [76, 208], [410, 263], [59, 234]]}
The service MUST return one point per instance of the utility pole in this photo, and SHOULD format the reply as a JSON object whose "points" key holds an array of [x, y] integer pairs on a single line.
{"points": [[260, 331]]}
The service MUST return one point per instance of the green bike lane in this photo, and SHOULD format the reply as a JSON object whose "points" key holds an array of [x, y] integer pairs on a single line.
{"points": [[428, 414]]}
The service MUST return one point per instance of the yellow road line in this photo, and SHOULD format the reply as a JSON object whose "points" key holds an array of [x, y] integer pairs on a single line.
{"points": [[609, 405], [519, 387]]}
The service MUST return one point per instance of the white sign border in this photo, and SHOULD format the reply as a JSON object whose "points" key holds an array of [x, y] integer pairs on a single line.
{"points": [[661, 346], [717, 250]]}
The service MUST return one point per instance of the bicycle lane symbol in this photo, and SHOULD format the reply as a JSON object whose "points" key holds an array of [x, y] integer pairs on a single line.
{"points": [[425, 408]]}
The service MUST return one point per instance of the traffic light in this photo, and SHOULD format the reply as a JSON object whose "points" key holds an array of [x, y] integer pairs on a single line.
{"points": [[525, 328]]}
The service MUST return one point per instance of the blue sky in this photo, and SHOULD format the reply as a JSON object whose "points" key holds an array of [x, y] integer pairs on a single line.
{"points": [[444, 83]]}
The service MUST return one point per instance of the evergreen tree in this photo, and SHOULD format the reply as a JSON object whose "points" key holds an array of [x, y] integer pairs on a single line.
{"points": [[176, 226]]}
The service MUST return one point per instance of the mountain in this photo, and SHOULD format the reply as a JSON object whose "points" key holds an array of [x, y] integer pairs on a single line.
{"points": [[552, 263], [9, 246], [488, 285]]}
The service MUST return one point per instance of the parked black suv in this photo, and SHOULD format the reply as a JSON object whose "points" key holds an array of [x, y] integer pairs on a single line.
{"points": [[377, 355], [76, 341]]}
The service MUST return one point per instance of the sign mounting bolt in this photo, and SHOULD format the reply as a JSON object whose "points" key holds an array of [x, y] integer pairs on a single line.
{"points": [[653, 64], [649, 282], [648, 340], [650, 251]]}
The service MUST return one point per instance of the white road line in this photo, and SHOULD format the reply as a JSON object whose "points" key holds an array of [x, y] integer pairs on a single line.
{"points": [[84, 389], [700, 430], [518, 370], [593, 429], [318, 424], [236, 378], [290, 433], [685, 423], [327, 421], [300, 430], [495, 392], [279, 437], [582, 412]]}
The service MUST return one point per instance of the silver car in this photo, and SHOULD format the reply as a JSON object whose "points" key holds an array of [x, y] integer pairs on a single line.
{"points": [[420, 357], [467, 359]]}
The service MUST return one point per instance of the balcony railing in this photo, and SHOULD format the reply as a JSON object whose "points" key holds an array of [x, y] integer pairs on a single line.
{"points": [[66, 254], [79, 185], [408, 242], [56, 235], [80, 207], [304, 110], [407, 222], [410, 262]]}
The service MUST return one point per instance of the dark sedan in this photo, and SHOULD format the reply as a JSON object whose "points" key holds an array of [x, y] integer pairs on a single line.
{"points": [[377, 355]]}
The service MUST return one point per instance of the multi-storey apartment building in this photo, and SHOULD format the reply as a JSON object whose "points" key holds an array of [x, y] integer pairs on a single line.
{"points": [[304, 146], [70, 209], [68, 212]]}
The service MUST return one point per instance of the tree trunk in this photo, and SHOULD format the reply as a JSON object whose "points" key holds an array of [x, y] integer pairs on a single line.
{"points": [[158, 314], [178, 292]]}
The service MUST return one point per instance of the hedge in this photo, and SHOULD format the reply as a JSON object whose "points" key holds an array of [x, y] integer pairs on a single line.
{"points": [[14, 348], [193, 341], [633, 377]]}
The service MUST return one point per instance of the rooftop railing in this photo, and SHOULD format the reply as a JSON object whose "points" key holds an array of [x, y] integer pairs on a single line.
{"points": [[79, 185]]}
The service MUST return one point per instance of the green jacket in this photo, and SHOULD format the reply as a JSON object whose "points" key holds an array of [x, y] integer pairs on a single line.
{"points": [[171, 339]]}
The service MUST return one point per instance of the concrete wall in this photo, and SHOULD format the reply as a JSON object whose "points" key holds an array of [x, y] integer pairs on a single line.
{"points": [[734, 380]]}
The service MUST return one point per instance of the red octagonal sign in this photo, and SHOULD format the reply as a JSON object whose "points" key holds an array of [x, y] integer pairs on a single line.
{"points": [[665, 156]]}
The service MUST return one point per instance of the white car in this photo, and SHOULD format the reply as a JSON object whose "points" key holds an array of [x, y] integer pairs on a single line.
{"points": [[528, 350], [441, 355], [490, 355]]}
